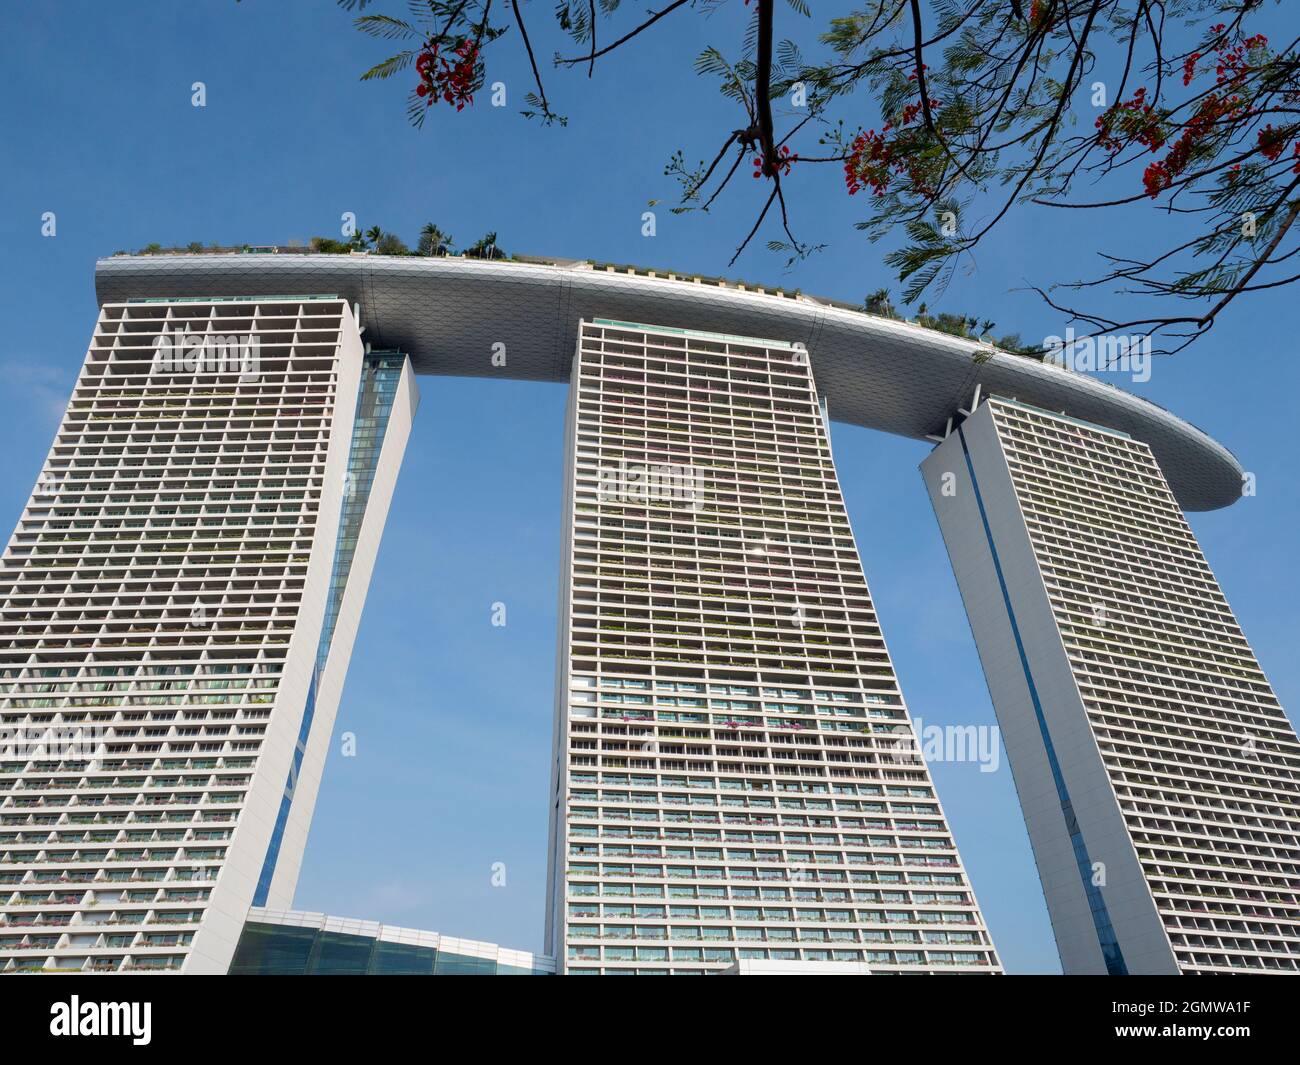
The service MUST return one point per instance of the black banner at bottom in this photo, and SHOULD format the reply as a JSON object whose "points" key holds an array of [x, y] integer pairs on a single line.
{"points": [[142, 1015]]}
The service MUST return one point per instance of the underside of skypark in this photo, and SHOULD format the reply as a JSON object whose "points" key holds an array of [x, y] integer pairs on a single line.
{"points": [[519, 319]]}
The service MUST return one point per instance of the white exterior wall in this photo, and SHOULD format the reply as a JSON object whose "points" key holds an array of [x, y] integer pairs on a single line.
{"points": [[556, 834], [1149, 693], [1089, 790], [183, 531], [798, 968], [214, 942]]}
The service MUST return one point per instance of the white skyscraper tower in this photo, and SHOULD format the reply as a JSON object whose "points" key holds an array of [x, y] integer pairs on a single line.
{"points": [[736, 783], [1159, 777], [729, 785], [177, 608]]}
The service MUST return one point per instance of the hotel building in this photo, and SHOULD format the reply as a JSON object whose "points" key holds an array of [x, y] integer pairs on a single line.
{"points": [[177, 608], [1158, 775], [729, 778], [735, 782]]}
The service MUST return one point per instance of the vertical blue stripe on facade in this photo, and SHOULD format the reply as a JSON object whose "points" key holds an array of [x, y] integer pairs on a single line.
{"points": [[1106, 939]]}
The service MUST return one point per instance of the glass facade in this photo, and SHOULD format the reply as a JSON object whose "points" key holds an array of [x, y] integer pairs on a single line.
{"points": [[270, 949], [380, 373]]}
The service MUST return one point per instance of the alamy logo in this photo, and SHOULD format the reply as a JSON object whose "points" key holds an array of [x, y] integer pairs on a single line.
{"points": [[79, 1018], [631, 482], [1104, 354], [53, 742], [178, 352], [980, 744]]}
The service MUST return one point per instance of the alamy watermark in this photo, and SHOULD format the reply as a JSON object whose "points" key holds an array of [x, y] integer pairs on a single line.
{"points": [[631, 482], [52, 742], [981, 744], [133, 1020], [1105, 354], [179, 352]]}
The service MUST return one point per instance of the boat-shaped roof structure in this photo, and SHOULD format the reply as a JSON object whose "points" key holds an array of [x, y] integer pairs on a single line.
{"points": [[448, 312]]}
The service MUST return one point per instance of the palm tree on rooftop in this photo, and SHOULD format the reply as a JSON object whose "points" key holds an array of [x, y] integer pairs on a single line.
{"points": [[433, 241], [879, 303]]}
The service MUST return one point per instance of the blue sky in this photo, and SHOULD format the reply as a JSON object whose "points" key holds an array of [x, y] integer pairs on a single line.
{"points": [[452, 715]]}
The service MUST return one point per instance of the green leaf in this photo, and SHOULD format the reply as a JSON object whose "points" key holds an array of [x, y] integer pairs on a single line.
{"points": [[387, 27], [389, 66]]}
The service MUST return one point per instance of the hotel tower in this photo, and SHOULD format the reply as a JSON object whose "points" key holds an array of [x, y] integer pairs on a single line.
{"points": [[729, 785], [1159, 777], [179, 601]]}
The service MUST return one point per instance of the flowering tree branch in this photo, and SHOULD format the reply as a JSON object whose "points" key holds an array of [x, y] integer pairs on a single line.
{"points": [[949, 116]]}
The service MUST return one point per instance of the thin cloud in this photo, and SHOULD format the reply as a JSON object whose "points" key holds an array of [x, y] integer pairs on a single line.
{"points": [[47, 387]]}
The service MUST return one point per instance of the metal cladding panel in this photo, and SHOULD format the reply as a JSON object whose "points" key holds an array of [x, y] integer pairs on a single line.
{"points": [[447, 313]]}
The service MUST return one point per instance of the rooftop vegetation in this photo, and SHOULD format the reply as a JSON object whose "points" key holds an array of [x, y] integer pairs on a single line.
{"points": [[434, 241]]}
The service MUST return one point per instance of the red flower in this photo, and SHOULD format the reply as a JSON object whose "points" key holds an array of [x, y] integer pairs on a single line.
{"points": [[1272, 142], [1156, 178], [448, 80], [1128, 122]]}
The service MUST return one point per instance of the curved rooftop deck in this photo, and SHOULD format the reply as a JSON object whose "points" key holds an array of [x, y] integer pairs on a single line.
{"points": [[446, 313]]}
